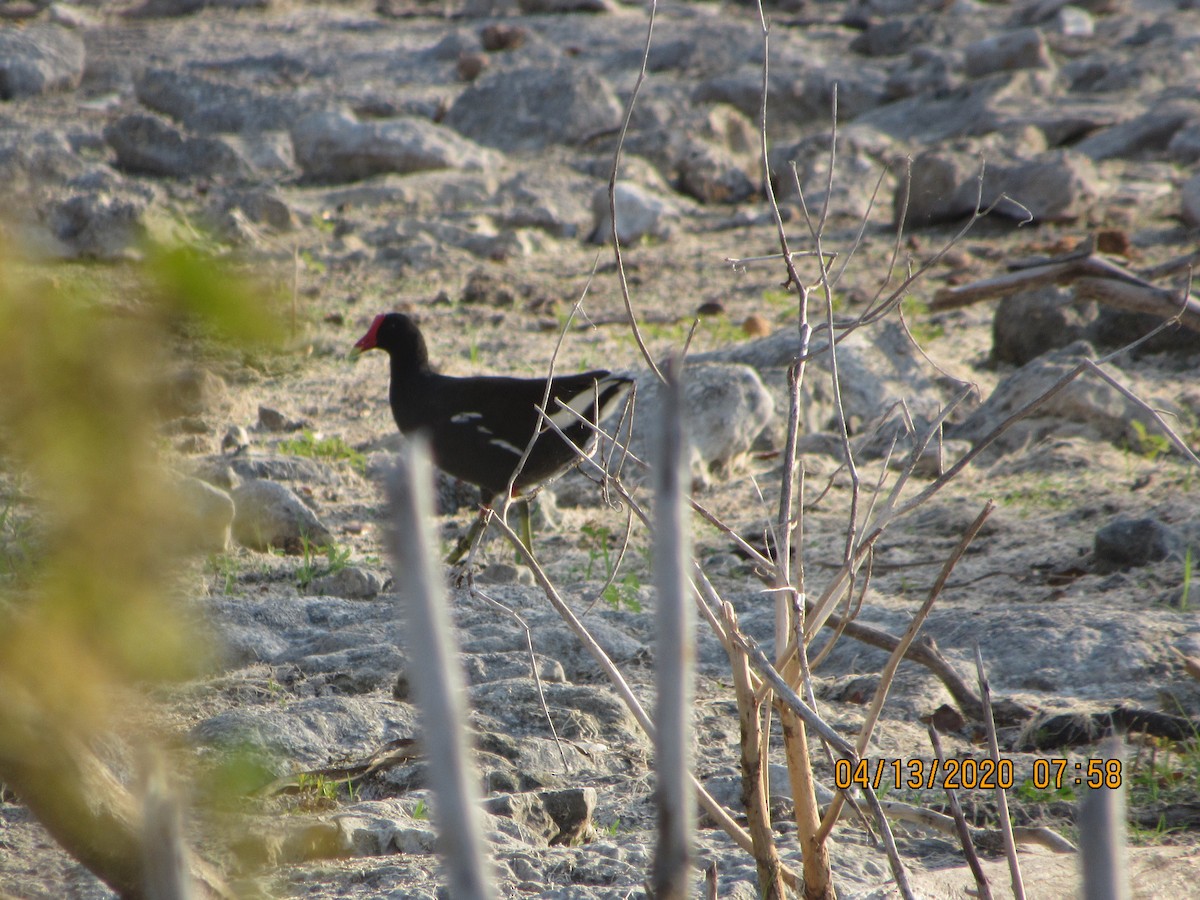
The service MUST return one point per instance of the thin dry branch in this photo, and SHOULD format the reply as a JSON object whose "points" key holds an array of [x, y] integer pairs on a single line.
{"points": [[962, 829], [902, 645], [1006, 828]]}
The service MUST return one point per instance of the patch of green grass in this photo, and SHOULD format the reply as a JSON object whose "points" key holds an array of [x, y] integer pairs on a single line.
{"points": [[224, 567], [421, 810], [624, 593], [1148, 444], [917, 317], [311, 566], [1030, 794], [329, 449], [1043, 494]]}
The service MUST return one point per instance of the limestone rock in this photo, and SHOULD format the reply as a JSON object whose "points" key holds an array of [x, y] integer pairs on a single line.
{"points": [[272, 515]]}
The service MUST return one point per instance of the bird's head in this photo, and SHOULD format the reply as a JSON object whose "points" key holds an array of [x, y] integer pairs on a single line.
{"points": [[396, 334]]}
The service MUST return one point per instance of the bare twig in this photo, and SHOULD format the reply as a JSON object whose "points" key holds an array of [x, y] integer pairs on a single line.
{"points": [[960, 823], [906, 640], [612, 198], [1010, 844]]}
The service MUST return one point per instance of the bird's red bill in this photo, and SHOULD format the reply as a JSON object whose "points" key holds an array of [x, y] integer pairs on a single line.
{"points": [[368, 340]]}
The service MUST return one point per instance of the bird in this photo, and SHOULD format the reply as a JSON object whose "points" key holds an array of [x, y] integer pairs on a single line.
{"points": [[479, 427]]}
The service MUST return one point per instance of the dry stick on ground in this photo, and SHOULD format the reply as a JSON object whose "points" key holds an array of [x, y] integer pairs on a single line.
{"points": [[983, 889], [718, 812], [675, 658], [1094, 278], [436, 676], [893, 663], [1010, 844]]}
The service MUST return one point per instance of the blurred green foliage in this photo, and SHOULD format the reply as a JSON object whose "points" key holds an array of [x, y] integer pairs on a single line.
{"points": [[89, 509]]}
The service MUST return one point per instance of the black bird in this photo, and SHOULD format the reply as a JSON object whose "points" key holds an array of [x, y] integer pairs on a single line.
{"points": [[479, 427]]}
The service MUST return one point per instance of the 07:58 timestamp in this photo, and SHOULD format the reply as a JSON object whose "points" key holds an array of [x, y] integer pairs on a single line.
{"points": [[974, 774]]}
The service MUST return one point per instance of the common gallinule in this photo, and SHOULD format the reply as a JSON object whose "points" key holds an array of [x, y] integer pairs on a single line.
{"points": [[479, 427]]}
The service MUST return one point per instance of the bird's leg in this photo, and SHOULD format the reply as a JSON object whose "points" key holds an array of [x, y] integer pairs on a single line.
{"points": [[525, 520], [469, 540]]}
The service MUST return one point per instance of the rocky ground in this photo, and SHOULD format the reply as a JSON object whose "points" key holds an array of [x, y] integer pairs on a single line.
{"points": [[451, 161]]}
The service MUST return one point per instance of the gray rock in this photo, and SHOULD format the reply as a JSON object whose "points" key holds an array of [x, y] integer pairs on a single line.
{"points": [[944, 187], [711, 174], [535, 7], [206, 514], [877, 368], [100, 225], [1184, 146], [1030, 323], [192, 391], [640, 213], [269, 515], [1022, 49], [309, 731], [804, 97], [285, 468], [977, 108], [552, 199], [334, 147], [148, 145], [274, 420], [505, 573], [39, 59], [1146, 135], [528, 109], [554, 817], [1086, 404], [1128, 542], [204, 105], [37, 157], [351, 583]]}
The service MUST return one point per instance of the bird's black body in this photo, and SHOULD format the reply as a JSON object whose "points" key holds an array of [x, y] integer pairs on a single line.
{"points": [[479, 427]]}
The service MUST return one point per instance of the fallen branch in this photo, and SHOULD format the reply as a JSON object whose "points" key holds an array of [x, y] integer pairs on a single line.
{"points": [[1094, 278]]}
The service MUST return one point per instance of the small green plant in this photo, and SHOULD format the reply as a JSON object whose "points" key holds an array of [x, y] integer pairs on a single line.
{"points": [[311, 567], [624, 593], [1150, 445], [224, 567], [1031, 794], [595, 541], [324, 448], [421, 810], [612, 828], [311, 263]]}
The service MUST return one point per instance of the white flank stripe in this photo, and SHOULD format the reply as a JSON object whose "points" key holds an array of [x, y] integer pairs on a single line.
{"points": [[464, 418], [582, 405], [505, 445]]}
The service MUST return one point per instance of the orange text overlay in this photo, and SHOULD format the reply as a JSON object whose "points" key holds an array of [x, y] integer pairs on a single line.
{"points": [[974, 774]]}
